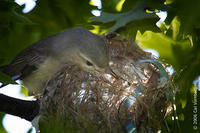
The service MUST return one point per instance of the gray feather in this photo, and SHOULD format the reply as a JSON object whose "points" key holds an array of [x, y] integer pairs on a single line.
{"points": [[50, 54]]}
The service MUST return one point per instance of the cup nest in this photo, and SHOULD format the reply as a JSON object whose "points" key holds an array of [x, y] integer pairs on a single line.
{"points": [[101, 103]]}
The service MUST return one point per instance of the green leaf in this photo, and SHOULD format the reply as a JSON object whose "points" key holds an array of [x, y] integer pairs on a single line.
{"points": [[170, 50], [11, 20], [18, 30], [175, 27], [30, 130], [24, 91], [6, 79], [10, 12], [121, 19], [109, 5], [187, 12], [2, 129], [190, 112]]}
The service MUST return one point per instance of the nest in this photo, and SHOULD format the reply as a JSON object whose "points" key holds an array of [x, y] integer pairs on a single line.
{"points": [[99, 103]]}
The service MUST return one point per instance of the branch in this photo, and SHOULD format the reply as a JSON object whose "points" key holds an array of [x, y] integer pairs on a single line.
{"points": [[22, 108]]}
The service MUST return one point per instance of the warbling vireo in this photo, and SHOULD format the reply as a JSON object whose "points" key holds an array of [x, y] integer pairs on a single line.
{"points": [[39, 62]]}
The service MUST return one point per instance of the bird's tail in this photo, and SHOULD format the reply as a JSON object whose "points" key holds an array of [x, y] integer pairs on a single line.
{"points": [[2, 68]]}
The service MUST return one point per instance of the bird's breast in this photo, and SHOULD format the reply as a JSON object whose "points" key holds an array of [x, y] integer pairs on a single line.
{"points": [[38, 79]]}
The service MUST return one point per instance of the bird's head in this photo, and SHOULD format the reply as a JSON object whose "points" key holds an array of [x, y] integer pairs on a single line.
{"points": [[94, 57], [87, 50], [92, 54]]}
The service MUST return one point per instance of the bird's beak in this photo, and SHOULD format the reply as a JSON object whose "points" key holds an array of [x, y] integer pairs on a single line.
{"points": [[108, 70]]}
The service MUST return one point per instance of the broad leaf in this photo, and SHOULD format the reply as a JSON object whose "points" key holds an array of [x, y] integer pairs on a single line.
{"points": [[122, 19], [167, 47]]}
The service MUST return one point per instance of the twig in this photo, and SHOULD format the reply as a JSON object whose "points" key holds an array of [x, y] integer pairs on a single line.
{"points": [[22, 108]]}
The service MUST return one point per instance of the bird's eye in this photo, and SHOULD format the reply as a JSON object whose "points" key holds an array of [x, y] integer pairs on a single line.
{"points": [[89, 63]]}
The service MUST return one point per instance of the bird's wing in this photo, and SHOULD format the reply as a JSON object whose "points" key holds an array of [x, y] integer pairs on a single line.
{"points": [[24, 63], [29, 59]]}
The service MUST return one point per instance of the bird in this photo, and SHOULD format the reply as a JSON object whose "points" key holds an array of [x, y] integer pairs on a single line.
{"points": [[36, 64]]}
